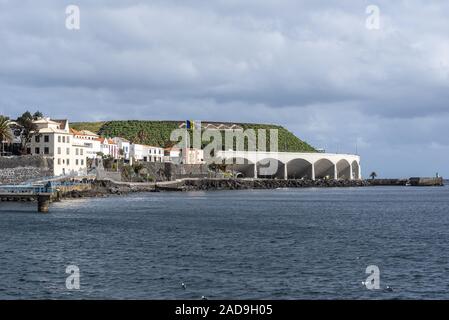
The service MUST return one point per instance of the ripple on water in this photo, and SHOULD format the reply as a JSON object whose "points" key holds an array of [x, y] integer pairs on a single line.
{"points": [[263, 244]]}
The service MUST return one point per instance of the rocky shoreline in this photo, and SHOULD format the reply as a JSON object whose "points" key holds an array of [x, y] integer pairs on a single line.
{"points": [[106, 188], [242, 184]]}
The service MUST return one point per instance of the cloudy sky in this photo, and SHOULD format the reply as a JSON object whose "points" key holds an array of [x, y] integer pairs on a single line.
{"points": [[312, 66]]}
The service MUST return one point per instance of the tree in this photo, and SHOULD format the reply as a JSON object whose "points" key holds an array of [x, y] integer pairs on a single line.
{"points": [[5, 131], [26, 121], [142, 137], [373, 175], [38, 115]]}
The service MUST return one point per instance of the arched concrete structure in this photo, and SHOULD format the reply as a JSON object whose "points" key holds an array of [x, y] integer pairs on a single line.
{"points": [[299, 169], [343, 170], [270, 168], [355, 169], [241, 167], [324, 168], [322, 164]]}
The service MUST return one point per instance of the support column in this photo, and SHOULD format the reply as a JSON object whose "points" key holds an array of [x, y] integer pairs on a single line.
{"points": [[285, 172], [313, 171], [43, 203], [351, 174], [360, 172], [335, 172], [255, 171]]}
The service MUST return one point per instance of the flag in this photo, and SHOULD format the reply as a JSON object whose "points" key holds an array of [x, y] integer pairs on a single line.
{"points": [[197, 125], [188, 124]]}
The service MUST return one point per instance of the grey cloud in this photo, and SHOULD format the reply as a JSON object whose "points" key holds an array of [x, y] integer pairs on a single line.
{"points": [[310, 65]]}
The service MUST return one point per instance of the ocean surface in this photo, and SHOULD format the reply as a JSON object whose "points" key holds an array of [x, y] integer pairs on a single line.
{"points": [[267, 244]]}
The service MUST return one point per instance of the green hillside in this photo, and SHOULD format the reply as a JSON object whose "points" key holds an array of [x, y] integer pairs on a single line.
{"points": [[157, 133], [91, 126]]}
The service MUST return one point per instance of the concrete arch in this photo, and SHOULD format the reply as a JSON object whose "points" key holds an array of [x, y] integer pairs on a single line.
{"points": [[238, 161], [270, 168], [343, 170], [300, 169], [324, 168], [240, 167], [356, 170]]}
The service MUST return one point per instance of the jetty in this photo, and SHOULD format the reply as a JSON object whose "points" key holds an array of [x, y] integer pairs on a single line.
{"points": [[414, 181], [42, 193]]}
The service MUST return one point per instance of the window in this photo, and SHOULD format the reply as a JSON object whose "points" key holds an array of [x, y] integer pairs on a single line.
{"points": [[59, 149], [68, 150], [46, 150], [81, 151], [82, 162], [68, 161], [63, 139], [28, 150], [59, 139], [76, 151], [37, 151], [76, 161], [59, 161], [46, 139], [37, 139], [68, 139]]}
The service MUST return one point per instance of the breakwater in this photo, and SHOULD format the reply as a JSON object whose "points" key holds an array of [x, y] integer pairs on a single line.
{"points": [[242, 184], [103, 188], [416, 182]]}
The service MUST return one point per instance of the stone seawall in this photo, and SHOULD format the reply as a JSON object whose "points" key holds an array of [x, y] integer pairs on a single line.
{"points": [[158, 171], [242, 184], [416, 182], [108, 188], [15, 170]]}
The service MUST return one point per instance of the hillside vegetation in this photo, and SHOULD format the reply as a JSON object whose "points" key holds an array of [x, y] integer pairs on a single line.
{"points": [[91, 126], [157, 133]]}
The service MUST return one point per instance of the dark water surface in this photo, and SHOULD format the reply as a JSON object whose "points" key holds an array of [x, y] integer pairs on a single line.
{"points": [[270, 244]]}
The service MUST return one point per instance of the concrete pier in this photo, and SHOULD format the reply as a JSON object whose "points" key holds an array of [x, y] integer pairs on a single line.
{"points": [[43, 203]]}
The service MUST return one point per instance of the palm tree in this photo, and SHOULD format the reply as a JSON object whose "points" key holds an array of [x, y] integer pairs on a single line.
{"points": [[373, 175], [5, 131]]}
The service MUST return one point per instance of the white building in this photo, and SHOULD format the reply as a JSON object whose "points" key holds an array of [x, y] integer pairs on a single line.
{"points": [[146, 153], [137, 151], [109, 148], [184, 156], [155, 154], [90, 140], [124, 146], [54, 139], [172, 154], [192, 156]]}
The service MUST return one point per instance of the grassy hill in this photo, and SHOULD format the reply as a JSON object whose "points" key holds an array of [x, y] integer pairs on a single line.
{"points": [[91, 126], [157, 133]]}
